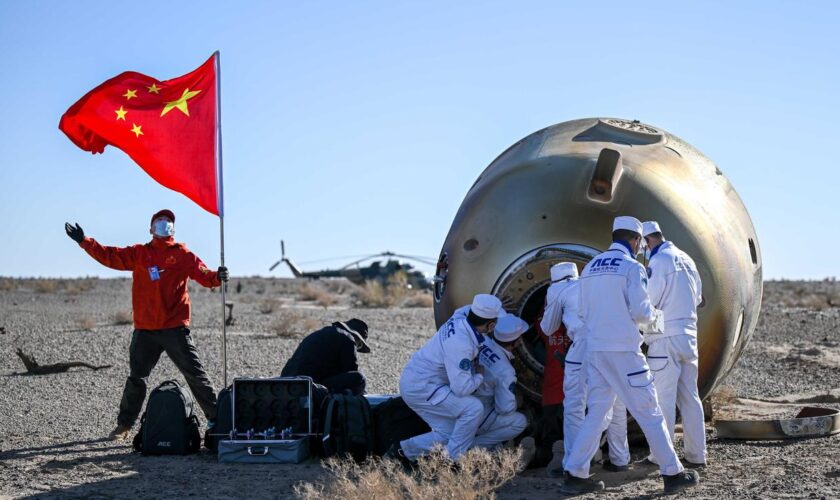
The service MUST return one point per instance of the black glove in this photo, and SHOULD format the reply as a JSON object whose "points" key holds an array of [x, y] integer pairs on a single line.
{"points": [[223, 273], [75, 233]]}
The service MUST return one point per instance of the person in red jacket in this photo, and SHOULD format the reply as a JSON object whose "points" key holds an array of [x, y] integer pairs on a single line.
{"points": [[160, 270]]}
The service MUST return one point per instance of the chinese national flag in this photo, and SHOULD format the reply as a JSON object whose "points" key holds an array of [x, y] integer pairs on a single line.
{"points": [[167, 127]]}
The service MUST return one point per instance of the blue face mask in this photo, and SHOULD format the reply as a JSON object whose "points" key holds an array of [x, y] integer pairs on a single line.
{"points": [[163, 228]]}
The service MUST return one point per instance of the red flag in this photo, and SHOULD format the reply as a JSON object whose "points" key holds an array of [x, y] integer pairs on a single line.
{"points": [[168, 128]]}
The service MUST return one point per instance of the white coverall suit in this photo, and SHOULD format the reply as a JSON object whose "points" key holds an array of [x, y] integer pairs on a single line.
{"points": [[500, 421], [562, 299], [675, 288], [438, 382], [613, 303]]}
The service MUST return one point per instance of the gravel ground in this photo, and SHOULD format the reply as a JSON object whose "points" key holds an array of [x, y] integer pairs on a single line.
{"points": [[52, 426]]}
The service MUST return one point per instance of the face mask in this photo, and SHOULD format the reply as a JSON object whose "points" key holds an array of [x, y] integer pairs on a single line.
{"points": [[163, 228]]}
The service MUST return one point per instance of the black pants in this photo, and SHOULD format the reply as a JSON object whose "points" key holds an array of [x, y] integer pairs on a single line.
{"points": [[352, 381], [144, 353], [550, 430]]}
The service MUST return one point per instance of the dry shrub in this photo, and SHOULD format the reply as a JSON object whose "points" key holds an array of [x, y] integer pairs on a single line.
{"points": [[326, 300], [291, 323], [814, 301], [268, 306], [45, 286], [8, 284], [419, 299], [86, 323], [372, 294], [339, 286], [76, 287], [309, 291], [394, 293], [123, 318], [481, 474], [310, 324], [318, 294]]}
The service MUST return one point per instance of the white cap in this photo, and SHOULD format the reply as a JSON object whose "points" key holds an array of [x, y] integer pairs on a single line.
{"points": [[650, 227], [509, 328], [563, 270], [487, 306], [628, 223]]}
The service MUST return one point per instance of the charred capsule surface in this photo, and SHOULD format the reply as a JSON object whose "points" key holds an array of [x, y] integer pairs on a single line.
{"points": [[552, 196]]}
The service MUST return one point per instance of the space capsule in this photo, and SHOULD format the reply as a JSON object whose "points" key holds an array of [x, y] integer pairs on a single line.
{"points": [[552, 197]]}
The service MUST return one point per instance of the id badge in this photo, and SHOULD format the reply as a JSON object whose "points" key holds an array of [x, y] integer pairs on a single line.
{"points": [[154, 273]]}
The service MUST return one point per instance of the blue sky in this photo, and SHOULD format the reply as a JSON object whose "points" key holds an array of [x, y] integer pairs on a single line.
{"points": [[357, 127]]}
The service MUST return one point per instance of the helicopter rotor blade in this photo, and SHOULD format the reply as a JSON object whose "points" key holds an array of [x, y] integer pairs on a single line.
{"points": [[425, 260], [282, 250], [275, 265]]}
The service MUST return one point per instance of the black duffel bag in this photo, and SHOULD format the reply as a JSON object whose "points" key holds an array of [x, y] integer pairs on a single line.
{"points": [[394, 421]]}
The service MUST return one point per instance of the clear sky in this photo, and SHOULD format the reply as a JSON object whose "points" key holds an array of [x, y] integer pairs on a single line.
{"points": [[357, 127]]}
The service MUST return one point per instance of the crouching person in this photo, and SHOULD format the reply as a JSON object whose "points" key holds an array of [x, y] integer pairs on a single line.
{"points": [[501, 421], [439, 380], [497, 393], [329, 357]]}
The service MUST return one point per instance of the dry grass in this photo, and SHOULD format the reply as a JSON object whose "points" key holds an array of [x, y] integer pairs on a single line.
{"points": [[317, 293], [86, 323], [123, 318], [45, 286], [481, 474], [75, 287], [291, 324], [395, 293], [8, 284], [419, 299], [268, 306]]}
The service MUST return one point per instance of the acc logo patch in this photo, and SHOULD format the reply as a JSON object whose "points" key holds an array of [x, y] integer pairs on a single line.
{"points": [[171, 259], [512, 387], [465, 364]]}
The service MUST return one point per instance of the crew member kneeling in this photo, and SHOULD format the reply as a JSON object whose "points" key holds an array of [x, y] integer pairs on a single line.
{"points": [[497, 393], [329, 357], [439, 380]]}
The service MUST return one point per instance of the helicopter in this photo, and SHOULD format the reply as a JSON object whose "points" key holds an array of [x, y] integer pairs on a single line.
{"points": [[378, 270]]}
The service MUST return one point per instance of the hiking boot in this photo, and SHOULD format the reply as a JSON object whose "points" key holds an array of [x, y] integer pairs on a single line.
{"points": [[395, 452], [555, 467], [678, 482], [578, 486], [529, 450], [611, 467], [120, 433]]}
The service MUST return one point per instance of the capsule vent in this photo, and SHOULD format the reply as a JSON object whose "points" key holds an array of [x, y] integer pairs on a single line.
{"points": [[606, 175], [753, 254]]}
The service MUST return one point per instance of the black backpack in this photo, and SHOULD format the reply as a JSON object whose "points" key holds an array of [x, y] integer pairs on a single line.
{"points": [[394, 421], [168, 426], [348, 427]]}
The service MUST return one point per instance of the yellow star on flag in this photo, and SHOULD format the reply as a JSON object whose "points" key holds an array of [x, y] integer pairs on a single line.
{"points": [[136, 130], [121, 113], [181, 103], [129, 94], [154, 89]]}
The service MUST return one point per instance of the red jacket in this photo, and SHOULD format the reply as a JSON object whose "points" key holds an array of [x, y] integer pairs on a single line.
{"points": [[556, 346], [163, 302]]}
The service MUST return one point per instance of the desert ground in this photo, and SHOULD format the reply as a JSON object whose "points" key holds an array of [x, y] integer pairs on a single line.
{"points": [[52, 427]]}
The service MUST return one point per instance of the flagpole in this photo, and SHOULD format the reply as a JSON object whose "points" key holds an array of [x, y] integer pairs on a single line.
{"points": [[220, 193]]}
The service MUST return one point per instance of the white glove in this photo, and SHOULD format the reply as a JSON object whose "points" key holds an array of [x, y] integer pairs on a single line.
{"points": [[657, 325]]}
